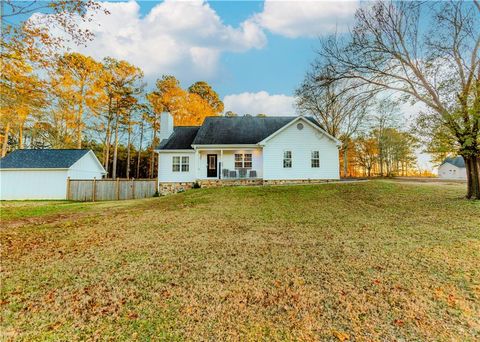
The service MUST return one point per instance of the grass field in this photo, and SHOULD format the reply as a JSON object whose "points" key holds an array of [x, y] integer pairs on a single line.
{"points": [[369, 261]]}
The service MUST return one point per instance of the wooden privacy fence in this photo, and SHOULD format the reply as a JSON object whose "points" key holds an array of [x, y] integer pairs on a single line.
{"points": [[110, 189]]}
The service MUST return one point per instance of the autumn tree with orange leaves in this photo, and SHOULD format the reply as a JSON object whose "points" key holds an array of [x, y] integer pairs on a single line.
{"points": [[22, 96], [188, 107], [80, 78]]}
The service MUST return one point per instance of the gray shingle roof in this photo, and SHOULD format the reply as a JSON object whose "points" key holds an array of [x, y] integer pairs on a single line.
{"points": [[181, 139], [220, 130], [457, 161], [41, 159]]}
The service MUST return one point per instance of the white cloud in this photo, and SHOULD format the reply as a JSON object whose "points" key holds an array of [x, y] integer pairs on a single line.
{"points": [[187, 38], [176, 37], [306, 18], [261, 102]]}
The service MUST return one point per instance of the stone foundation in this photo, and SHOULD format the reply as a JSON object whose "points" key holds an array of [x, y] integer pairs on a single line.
{"points": [[215, 183], [174, 187]]}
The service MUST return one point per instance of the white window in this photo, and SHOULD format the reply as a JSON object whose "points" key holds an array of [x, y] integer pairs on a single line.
{"points": [[315, 159], [175, 164], [247, 160], [185, 164], [180, 164], [287, 159], [243, 160]]}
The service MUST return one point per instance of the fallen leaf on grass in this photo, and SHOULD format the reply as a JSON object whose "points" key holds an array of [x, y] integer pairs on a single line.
{"points": [[132, 315], [54, 326], [341, 336]]}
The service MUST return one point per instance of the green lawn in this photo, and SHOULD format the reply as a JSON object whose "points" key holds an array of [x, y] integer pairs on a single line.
{"points": [[369, 261]]}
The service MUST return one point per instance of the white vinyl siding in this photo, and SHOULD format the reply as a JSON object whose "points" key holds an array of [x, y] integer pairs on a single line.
{"points": [[301, 143], [86, 167], [176, 167], [35, 185]]}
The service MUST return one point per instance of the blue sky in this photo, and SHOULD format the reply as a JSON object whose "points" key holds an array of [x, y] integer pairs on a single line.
{"points": [[282, 58], [256, 69], [253, 53]]}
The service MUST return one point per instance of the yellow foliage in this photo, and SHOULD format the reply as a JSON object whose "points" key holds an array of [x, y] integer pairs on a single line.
{"points": [[78, 83], [187, 109], [21, 92]]}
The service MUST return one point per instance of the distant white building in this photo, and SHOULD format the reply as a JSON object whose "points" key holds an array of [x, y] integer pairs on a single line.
{"points": [[453, 168], [42, 174]]}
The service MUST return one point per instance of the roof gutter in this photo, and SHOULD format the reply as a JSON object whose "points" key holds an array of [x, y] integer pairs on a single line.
{"points": [[175, 151], [225, 146], [33, 169]]}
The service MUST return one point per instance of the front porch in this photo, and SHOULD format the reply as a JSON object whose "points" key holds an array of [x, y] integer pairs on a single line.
{"points": [[230, 164]]}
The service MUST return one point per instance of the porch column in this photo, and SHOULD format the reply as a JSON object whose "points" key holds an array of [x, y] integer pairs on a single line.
{"points": [[221, 165], [197, 163]]}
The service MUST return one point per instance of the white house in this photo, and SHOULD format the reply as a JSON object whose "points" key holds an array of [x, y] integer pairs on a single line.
{"points": [[271, 149], [42, 174], [453, 168]]}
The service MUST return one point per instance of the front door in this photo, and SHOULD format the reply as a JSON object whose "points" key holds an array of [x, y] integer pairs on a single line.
{"points": [[211, 165]]}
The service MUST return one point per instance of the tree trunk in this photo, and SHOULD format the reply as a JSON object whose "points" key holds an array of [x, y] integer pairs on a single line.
{"points": [[345, 161], [5, 139], [128, 147], [79, 135], [140, 150], [106, 157], [473, 177], [79, 123], [115, 151], [20, 136], [152, 157]]}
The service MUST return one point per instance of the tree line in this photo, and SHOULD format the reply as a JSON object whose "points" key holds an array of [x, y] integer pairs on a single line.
{"points": [[83, 103], [419, 52]]}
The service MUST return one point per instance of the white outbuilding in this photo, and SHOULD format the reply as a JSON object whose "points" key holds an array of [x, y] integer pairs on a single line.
{"points": [[453, 168], [42, 174]]}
